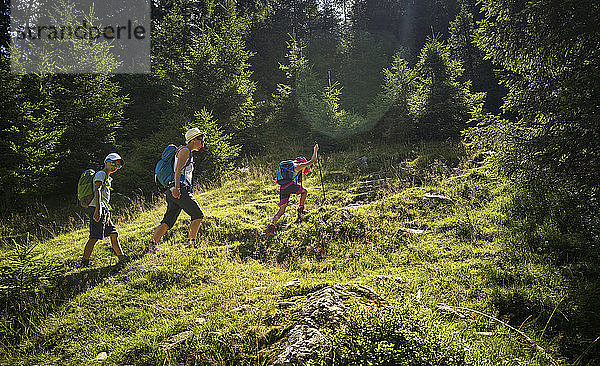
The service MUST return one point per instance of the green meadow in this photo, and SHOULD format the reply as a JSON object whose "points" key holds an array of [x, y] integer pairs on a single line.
{"points": [[466, 269]]}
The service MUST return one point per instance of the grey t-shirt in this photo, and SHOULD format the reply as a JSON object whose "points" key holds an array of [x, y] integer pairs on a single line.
{"points": [[104, 190]]}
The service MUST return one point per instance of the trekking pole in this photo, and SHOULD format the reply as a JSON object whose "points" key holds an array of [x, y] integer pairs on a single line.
{"points": [[321, 176]]}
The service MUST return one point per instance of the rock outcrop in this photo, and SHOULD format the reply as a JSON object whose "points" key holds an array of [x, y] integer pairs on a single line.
{"points": [[324, 309]]}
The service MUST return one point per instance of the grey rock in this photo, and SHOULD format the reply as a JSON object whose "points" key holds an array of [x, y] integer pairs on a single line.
{"points": [[172, 342], [241, 308], [303, 342], [295, 283], [364, 290], [438, 197], [344, 213], [389, 278], [325, 307], [409, 231], [342, 290]]}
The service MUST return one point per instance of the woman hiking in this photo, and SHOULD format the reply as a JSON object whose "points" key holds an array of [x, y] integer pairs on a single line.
{"points": [[179, 196]]}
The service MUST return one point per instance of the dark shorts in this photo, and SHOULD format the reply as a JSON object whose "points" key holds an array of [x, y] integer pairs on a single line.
{"points": [[101, 229], [285, 193], [186, 202]]}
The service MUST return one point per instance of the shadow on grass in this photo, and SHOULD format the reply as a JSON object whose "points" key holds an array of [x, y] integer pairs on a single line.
{"points": [[551, 272], [23, 306]]}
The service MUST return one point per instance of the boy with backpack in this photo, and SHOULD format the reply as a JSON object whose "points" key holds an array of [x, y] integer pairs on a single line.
{"points": [[98, 209], [289, 177], [174, 171]]}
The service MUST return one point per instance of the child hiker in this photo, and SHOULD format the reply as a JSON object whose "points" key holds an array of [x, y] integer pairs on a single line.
{"points": [[98, 210], [179, 195], [289, 177]]}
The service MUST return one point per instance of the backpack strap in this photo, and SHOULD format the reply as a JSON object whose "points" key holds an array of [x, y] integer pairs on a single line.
{"points": [[298, 177], [189, 159]]}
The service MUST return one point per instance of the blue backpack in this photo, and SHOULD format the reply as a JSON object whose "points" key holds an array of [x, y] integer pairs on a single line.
{"points": [[163, 172], [285, 174]]}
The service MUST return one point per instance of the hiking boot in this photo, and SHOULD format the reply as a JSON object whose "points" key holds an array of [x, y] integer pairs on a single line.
{"points": [[271, 228], [192, 243], [151, 248], [84, 263], [123, 259], [302, 211]]}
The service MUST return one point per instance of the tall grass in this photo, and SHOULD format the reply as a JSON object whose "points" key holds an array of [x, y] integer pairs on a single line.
{"points": [[472, 253]]}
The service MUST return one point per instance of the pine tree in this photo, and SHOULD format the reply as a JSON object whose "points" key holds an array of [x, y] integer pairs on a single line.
{"points": [[549, 52], [55, 126], [442, 104], [476, 69]]}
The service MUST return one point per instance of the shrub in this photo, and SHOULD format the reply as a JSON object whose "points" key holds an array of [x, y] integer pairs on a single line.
{"points": [[375, 335]]}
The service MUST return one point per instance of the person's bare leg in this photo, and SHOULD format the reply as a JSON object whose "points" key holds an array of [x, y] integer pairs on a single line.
{"points": [[193, 229], [301, 210], [89, 247], [159, 232], [303, 196], [193, 232], [114, 240], [279, 213]]}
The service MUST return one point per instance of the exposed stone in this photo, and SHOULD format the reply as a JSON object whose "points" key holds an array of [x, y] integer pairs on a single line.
{"points": [[344, 213], [303, 342], [397, 279], [365, 291], [295, 283], [409, 231], [344, 210], [362, 161], [241, 308], [369, 185], [364, 196], [325, 307], [200, 321], [488, 334], [172, 342], [438, 197], [102, 356], [360, 290], [375, 182], [342, 290]]}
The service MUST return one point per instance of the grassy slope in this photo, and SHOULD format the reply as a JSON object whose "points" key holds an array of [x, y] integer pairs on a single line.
{"points": [[464, 258]]}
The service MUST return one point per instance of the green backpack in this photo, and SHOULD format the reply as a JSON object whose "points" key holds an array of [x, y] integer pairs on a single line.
{"points": [[85, 188]]}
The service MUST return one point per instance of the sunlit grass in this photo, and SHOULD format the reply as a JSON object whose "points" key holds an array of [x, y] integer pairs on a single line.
{"points": [[466, 256]]}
